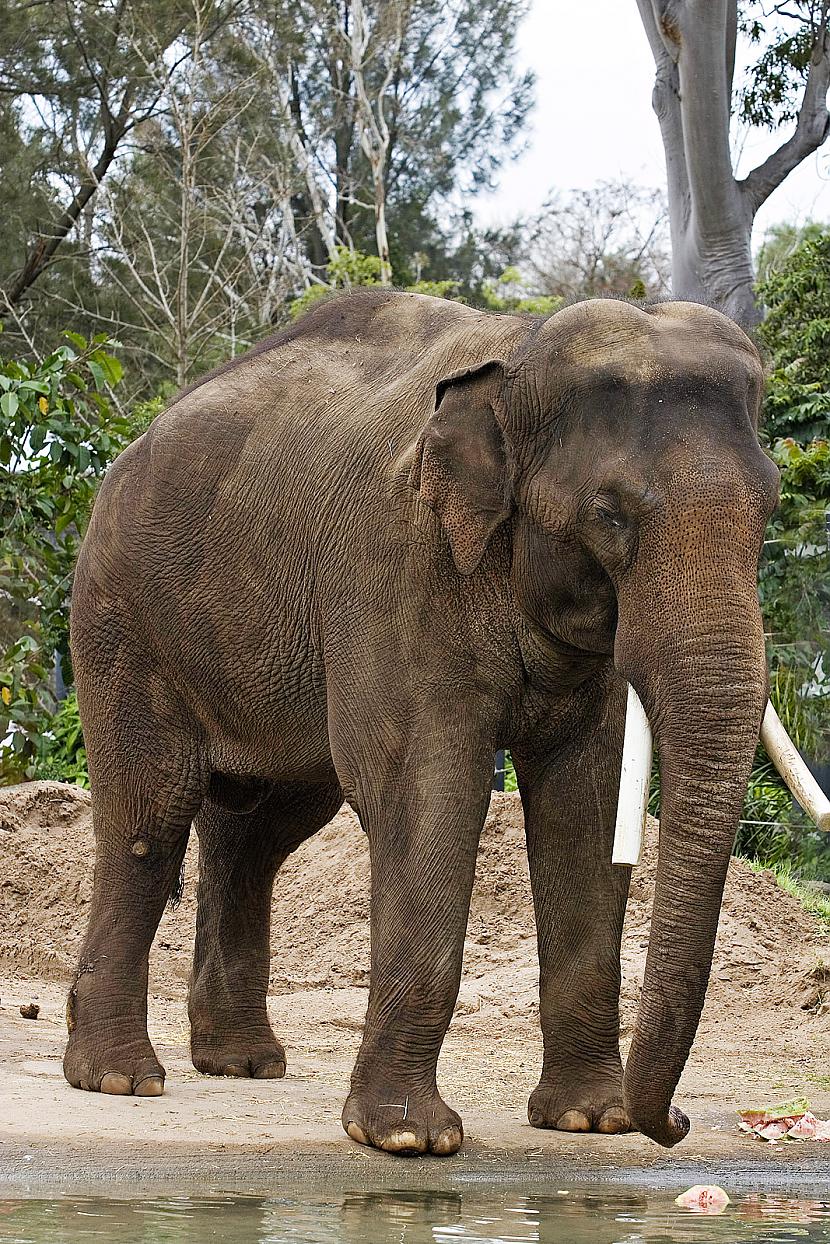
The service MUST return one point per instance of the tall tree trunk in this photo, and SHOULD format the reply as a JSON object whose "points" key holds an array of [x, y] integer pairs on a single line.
{"points": [[371, 119], [711, 211]]}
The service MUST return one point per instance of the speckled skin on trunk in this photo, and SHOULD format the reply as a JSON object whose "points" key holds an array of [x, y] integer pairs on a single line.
{"points": [[351, 565]]}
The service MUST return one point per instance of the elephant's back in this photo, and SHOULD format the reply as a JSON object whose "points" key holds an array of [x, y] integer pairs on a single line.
{"points": [[275, 450]]}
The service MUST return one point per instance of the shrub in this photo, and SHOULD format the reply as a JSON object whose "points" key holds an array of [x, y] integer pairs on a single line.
{"points": [[58, 433]]}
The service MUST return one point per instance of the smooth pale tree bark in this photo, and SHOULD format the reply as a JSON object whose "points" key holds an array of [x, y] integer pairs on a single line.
{"points": [[711, 211]]}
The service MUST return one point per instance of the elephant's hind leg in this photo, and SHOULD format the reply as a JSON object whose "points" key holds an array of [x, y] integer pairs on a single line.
{"points": [[142, 817], [239, 854]]}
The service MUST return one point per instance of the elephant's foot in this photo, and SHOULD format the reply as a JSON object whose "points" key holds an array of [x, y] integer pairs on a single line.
{"points": [[401, 1122], [110, 1056], [236, 1049], [580, 1103]]}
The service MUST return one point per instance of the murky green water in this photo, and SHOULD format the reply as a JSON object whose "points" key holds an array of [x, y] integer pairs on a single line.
{"points": [[476, 1215]]}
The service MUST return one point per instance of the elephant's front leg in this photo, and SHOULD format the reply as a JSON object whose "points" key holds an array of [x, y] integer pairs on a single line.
{"points": [[579, 898], [423, 833]]}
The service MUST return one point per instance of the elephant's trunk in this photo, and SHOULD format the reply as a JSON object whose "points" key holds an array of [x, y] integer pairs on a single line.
{"points": [[703, 683]]}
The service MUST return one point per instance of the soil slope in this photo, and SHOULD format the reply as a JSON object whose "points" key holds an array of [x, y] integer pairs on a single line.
{"points": [[765, 1030]]}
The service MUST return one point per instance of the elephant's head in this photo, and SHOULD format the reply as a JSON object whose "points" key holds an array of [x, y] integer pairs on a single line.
{"points": [[622, 446]]}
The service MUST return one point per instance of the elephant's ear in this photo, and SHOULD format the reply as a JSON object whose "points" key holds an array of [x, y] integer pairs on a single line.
{"points": [[460, 467]]}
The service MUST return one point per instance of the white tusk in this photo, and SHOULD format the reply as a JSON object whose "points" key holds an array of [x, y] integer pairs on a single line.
{"points": [[635, 775], [788, 761]]}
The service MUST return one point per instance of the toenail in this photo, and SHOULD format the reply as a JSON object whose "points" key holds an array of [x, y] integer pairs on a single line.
{"points": [[613, 1121], [357, 1133], [117, 1083], [447, 1141], [270, 1071], [150, 1086], [236, 1070], [403, 1142], [140, 848], [574, 1121]]}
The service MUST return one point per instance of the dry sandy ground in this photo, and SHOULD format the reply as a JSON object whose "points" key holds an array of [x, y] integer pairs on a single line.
{"points": [[765, 1033]]}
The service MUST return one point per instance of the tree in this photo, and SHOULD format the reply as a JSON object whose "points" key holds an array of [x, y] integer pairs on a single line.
{"points": [[78, 78], [372, 123], [398, 108], [196, 245], [779, 244], [795, 559], [57, 435], [711, 210], [609, 240], [260, 138], [796, 332]]}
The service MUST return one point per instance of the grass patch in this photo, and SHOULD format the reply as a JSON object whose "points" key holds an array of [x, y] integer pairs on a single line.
{"points": [[816, 904]]}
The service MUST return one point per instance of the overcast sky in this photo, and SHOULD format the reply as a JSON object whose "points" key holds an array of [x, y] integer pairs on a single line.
{"points": [[593, 119]]}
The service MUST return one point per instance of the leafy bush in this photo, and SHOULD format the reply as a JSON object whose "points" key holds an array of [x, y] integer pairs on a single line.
{"points": [[348, 268], [510, 293], [58, 433], [796, 332], [352, 269], [61, 755], [794, 589]]}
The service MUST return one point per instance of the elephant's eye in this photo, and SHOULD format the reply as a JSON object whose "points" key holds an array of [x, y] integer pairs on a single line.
{"points": [[608, 516]]}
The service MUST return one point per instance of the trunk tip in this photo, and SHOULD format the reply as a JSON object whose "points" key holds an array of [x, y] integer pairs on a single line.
{"points": [[667, 1130]]}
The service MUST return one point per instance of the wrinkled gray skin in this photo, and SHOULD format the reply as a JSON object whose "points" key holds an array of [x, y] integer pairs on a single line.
{"points": [[352, 565]]}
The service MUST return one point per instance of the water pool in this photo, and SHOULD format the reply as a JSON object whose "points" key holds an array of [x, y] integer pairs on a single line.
{"points": [[476, 1214]]}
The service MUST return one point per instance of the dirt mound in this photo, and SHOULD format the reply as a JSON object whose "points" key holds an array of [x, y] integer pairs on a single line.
{"points": [[768, 946]]}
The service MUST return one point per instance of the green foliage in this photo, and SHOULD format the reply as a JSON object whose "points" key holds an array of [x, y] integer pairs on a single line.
{"points": [[787, 35], [510, 293], [349, 268], [793, 580], [772, 92], [794, 571], [511, 782], [780, 242], [796, 332], [794, 568], [352, 269], [58, 433], [437, 289], [60, 752]]}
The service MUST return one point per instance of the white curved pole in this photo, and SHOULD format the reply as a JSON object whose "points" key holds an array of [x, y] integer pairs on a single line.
{"points": [[788, 761], [635, 774]]}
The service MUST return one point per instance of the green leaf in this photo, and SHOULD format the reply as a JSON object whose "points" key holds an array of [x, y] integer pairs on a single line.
{"points": [[111, 366], [77, 340], [9, 404], [98, 375]]}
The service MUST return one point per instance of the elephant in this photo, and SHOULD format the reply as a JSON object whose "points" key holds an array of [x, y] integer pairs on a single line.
{"points": [[350, 565]]}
